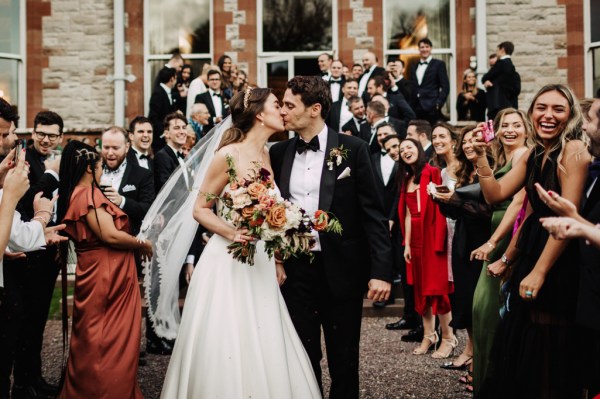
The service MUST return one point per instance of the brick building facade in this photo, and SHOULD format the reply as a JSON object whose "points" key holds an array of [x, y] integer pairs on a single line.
{"points": [[68, 56]]}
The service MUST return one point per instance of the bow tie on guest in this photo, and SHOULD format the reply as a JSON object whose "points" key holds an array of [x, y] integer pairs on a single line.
{"points": [[302, 145], [144, 156], [339, 81], [363, 120], [216, 94], [324, 73], [423, 62], [594, 169], [180, 155]]}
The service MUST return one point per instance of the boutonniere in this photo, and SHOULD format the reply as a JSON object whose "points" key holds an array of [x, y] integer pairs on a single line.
{"points": [[336, 156]]}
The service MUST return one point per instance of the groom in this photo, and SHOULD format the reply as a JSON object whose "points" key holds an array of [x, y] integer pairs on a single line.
{"points": [[329, 292]]}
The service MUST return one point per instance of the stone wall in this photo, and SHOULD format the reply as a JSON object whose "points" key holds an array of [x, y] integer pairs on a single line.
{"points": [[538, 29], [77, 37]]}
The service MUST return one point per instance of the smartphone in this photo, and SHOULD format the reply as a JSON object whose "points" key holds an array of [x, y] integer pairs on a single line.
{"points": [[18, 148], [442, 189], [488, 131]]}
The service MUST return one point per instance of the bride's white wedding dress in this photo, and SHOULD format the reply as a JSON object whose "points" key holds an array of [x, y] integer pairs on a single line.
{"points": [[236, 338]]}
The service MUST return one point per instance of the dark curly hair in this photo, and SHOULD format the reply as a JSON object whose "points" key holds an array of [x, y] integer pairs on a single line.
{"points": [[8, 112], [312, 90]]}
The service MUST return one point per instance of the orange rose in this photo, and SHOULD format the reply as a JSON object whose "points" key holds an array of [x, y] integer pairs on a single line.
{"points": [[247, 212], [276, 216], [321, 220], [255, 190]]}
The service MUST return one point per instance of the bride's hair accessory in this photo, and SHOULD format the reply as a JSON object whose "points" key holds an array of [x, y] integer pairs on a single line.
{"points": [[85, 153], [247, 97]]}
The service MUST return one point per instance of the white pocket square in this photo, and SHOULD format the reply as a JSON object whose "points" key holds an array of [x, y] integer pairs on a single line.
{"points": [[129, 187], [345, 173]]}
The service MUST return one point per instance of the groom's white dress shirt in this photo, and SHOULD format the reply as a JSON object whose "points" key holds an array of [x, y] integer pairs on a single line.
{"points": [[305, 179], [24, 237]]}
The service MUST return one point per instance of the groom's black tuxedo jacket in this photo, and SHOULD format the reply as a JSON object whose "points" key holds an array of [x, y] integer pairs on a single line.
{"points": [[363, 251]]}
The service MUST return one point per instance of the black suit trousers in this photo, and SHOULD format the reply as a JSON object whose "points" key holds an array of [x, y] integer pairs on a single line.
{"points": [[311, 306]]}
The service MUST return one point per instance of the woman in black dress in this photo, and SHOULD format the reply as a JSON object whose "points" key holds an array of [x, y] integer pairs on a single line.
{"points": [[536, 355], [471, 103]]}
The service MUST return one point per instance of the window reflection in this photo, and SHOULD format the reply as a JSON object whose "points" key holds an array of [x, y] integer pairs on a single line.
{"points": [[9, 72], [409, 21], [179, 26], [9, 26], [596, 73], [297, 25], [594, 25]]}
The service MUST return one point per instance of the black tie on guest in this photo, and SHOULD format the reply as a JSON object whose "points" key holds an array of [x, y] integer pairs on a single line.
{"points": [[423, 62], [180, 155], [339, 81], [144, 156], [217, 94], [302, 145]]}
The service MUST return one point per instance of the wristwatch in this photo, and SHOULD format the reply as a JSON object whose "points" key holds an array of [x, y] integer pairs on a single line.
{"points": [[506, 261]]}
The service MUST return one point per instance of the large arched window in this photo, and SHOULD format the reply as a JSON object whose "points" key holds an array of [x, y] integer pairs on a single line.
{"points": [[12, 50], [592, 40]]}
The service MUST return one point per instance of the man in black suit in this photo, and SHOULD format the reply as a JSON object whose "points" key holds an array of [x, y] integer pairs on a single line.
{"points": [[399, 83], [170, 157], [375, 117], [213, 99], [162, 103], [140, 135], [371, 69], [420, 130], [398, 106], [340, 112], [328, 292], [325, 60], [430, 82], [30, 280], [357, 109], [502, 82], [336, 80]]}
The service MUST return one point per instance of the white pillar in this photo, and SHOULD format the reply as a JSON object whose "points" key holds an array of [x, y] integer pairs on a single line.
{"points": [[481, 38], [119, 61]]}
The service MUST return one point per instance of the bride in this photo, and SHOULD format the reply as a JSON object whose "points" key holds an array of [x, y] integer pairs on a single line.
{"points": [[236, 338]]}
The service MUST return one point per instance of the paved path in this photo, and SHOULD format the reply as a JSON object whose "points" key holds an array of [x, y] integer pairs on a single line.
{"points": [[388, 368]]}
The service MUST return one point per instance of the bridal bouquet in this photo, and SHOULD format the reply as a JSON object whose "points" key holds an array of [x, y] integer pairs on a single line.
{"points": [[256, 205]]}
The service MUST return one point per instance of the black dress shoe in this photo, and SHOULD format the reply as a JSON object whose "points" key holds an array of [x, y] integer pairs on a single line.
{"points": [[401, 324], [160, 347], [33, 392], [415, 335]]}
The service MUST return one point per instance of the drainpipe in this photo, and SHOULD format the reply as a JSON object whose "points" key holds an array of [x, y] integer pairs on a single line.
{"points": [[481, 38], [119, 76]]}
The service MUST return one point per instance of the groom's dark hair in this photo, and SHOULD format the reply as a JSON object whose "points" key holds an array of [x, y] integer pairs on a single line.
{"points": [[312, 90]]}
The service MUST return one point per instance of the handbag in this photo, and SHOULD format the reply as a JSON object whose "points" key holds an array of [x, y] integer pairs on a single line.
{"points": [[471, 192]]}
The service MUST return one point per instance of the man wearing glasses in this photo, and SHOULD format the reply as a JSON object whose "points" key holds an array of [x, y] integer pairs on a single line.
{"points": [[213, 99], [39, 268]]}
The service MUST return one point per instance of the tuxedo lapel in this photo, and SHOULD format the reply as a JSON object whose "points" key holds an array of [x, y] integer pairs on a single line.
{"points": [[378, 167], [209, 104], [125, 177], [286, 168], [593, 199], [392, 179], [327, 186]]}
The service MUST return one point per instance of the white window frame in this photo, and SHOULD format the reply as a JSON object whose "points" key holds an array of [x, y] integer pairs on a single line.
{"points": [[589, 46], [451, 51], [22, 62], [148, 80], [268, 56]]}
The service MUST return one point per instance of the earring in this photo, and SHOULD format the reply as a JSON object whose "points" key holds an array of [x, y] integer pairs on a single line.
{"points": [[453, 147], [262, 124]]}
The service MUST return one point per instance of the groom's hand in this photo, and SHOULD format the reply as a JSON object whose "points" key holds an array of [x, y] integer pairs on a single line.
{"points": [[379, 290]]}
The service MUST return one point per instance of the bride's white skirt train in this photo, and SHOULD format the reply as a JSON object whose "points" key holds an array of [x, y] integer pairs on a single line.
{"points": [[236, 338]]}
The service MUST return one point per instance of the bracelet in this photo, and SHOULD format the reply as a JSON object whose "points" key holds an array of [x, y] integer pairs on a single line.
{"points": [[482, 176], [491, 245], [44, 211], [41, 219]]}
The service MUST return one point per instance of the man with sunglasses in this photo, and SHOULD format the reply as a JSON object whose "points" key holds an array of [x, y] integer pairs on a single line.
{"points": [[39, 269]]}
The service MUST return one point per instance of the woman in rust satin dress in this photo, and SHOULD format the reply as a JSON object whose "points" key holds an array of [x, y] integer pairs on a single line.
{"points": [[105, 340]]}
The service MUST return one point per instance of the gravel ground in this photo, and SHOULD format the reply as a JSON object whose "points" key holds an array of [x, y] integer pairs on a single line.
{"points": [[388, 370]]}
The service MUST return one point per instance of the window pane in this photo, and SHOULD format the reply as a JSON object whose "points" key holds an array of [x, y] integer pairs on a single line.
{"points": [[174, 27], [297, 25], [9, 72], [596, 77], [9, 26], [157, 65], [408, 21], [594, 12]]}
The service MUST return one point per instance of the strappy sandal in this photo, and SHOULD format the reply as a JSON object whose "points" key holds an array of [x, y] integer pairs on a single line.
{"points": [[452, 343], [458, 366], [433, 339]]}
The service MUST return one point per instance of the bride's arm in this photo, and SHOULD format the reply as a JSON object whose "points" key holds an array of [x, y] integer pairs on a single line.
{"points": [[214, 181]]}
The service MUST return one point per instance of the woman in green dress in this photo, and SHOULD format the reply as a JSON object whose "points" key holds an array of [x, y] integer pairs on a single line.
{"points": [[513, 131]]}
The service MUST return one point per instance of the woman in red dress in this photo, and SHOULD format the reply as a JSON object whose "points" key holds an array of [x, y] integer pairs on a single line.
{"points": [[105, 340], [424, 231]]}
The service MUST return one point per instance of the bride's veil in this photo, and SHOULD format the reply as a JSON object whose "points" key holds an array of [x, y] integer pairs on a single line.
{"points": [[169, 225]]}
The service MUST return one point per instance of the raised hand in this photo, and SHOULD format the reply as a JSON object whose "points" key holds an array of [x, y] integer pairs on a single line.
{"points": [[559, 205], [16, 182]]}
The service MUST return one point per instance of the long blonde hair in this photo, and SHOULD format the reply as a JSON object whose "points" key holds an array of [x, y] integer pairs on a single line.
{"points": [[498, 148], [572, 130]]}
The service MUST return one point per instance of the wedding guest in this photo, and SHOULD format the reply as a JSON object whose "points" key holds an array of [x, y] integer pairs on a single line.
{"points": [[472, 215], [197, 86], [182, 86], [424, 230], [357, 109], [513, 131], [105, 341], [225, 66], [544, 279], [471, 103], [170, 157], [140, 135], [357, 71], [215, 100], [420, 130], [162, 103], [199, 119]]}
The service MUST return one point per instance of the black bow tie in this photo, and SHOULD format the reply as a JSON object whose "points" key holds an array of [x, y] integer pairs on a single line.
{"points": [[423, 62], [144, 156], [302, 145], [335, 81], [361, 121], [180, 155], [216, 95], [324, 73], [594, 169]]}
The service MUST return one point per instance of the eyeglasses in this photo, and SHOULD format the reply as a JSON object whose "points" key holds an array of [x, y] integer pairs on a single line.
{"points": [[214, 79], [51, 137]]}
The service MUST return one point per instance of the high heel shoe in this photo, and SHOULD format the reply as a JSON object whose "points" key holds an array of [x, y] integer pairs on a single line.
{"points": [[433, 339], [446, 348], [457, 365]]}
